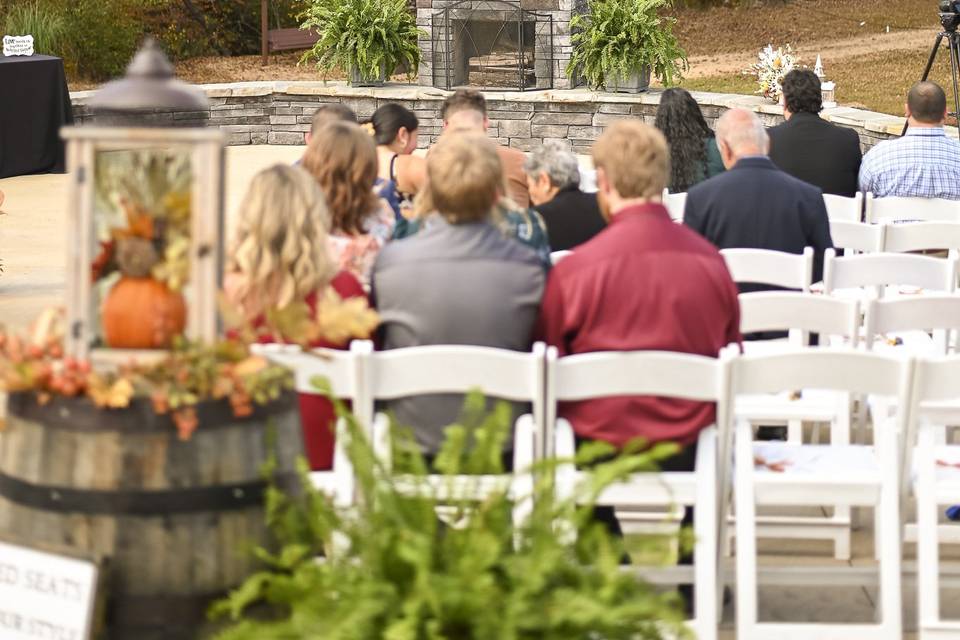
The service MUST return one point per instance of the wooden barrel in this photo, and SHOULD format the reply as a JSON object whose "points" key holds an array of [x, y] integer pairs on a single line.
{"points": [[175, 521]]}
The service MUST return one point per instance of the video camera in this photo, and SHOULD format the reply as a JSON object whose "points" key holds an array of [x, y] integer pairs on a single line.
{"points": [[950, 14]]}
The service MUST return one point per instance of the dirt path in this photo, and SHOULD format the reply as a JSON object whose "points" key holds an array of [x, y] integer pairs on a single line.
{"points": [[831, 51]]}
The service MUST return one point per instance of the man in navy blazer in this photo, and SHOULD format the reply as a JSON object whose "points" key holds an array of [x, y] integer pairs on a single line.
{"points": [[754, 204]]}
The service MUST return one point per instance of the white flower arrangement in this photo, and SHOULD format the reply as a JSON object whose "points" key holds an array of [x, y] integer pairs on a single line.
{"points": [[774, 64]]}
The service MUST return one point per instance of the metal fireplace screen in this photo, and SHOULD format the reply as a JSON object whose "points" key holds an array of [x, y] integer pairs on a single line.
{"points": [[492, 44]]}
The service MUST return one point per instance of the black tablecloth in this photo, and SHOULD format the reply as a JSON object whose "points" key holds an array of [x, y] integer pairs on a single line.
{"points": [[34, 104]]}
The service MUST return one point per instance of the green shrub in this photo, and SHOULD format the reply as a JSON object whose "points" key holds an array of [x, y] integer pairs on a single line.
{"points": [[46, 24], [370, 35], [396, 573], [104, 36]]}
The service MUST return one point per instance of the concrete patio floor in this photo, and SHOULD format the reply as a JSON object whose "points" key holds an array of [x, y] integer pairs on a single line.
{"points": [[32, 248]]}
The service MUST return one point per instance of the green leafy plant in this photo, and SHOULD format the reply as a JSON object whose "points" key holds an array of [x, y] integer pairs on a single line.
{"points": [[618, 38], [45, 23], [372, 36], [393, 571]]}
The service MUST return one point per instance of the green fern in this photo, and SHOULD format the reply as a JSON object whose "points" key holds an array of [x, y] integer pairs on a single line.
{"points": [[618, 38], [375, 36], [399, 574]]}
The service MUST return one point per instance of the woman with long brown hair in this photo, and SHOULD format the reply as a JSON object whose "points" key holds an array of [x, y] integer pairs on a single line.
{"points": [[343, 159]]}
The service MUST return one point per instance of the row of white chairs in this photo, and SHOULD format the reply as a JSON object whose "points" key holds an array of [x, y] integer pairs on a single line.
{"points": [[866, 208], [880, 476]]}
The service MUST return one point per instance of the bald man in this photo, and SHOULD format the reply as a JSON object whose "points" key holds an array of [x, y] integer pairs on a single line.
{"points": [[754, 204]]}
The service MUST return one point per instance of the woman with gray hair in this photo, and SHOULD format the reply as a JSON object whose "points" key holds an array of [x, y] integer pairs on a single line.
{"points": [[553, 177]]}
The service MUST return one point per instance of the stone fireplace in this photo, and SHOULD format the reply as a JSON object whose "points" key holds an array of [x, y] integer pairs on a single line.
{"points": [[517, 45]]}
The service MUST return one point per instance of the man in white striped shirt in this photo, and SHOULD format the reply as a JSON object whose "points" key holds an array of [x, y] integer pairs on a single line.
{"points": [[924, 163]]}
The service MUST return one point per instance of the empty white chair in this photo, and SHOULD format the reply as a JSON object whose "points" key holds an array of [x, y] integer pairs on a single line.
{"points": [[936, 482], [874, 275], [857, 237], [913, 319], [557, 256], [457, 369], [343, 373], [675, 204], [775, 268], [675, 375], [782, 474], [838, 322], [913, 209], [922, 236], [843, 208]]}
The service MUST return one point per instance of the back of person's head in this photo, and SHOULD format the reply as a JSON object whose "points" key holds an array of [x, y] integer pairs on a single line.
{"points": [[388, 121], [328, 113], [281, 240], [557, 162], [343, 159], [801, 92], [927, 103], [634, 158], [681, 121], [464, 177], [468, 107], [742, 133]]}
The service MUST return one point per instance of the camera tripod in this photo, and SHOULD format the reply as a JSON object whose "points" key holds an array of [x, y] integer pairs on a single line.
{"points": [[952, 37]]}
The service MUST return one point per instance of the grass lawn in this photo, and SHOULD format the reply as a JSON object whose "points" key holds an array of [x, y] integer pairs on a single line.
{"points": [[878, 82], [729, 30]]}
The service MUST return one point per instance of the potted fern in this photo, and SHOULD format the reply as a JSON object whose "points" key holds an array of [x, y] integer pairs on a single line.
{"points": [[618, 44], [397, 572], [368, 39]]}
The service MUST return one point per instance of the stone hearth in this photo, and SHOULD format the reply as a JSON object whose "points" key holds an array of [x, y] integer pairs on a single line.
{"points": [[496, 44]]}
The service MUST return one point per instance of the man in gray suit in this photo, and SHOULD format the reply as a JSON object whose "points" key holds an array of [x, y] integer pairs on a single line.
{"points": [[458, 281]]}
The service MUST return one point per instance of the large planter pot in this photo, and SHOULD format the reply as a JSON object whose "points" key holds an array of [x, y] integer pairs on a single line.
{"points": [[634, 83], [357, 80], [174, 520]]}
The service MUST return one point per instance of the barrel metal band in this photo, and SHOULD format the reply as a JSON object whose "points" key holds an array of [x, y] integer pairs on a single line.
{"points": [[230, 497]]}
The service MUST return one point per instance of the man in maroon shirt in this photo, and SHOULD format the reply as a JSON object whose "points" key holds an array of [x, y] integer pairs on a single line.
{"points": [[643, 283]]}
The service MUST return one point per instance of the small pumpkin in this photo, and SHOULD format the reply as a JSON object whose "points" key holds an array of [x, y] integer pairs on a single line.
{"points": [[142, 313]]}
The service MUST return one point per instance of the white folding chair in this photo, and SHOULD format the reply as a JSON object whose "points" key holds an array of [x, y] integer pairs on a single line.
{"points": [[675, 204], [922, 236], [557, 256], [843, 208], [459, 369], [675, 375], [343, 371], [857, 237], [886, 274], [935, 481], [775, 268], [783, 474], [838, 323], [892, 209]]}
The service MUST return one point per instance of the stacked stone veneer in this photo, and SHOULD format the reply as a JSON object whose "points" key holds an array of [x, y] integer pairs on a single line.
{"points": [[280, 112], [560, 11]]}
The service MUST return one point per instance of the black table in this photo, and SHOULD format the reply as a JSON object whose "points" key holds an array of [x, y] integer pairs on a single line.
{"points": [[34, 104]]}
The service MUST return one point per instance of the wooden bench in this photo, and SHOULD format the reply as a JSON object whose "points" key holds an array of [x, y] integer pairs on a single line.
{"points": [[290, 39]]}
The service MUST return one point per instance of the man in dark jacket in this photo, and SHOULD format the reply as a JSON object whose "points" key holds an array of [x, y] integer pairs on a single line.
{"points": [[808, 147], [755, 205]]}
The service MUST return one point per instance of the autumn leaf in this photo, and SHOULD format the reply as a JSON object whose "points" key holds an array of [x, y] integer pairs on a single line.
{"points": [[339, 320], [114, 396], [250, 366], [293, 323]]}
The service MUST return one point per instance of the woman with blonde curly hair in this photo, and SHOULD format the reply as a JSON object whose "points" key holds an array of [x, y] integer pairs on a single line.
{"points": [[343, 159], [280, 257]]}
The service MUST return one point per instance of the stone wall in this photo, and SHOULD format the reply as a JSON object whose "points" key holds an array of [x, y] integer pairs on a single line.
{"points": [[280, 112]]}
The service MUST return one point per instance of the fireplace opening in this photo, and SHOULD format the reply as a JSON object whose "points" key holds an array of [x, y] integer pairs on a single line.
{"points": [[492, 44]]}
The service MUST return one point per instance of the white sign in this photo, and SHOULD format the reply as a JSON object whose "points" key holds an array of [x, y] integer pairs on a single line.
{"points": [[45, 596], [18, 45]]}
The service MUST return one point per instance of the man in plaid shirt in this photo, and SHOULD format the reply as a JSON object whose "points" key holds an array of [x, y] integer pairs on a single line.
{"points": [[925, 163]]}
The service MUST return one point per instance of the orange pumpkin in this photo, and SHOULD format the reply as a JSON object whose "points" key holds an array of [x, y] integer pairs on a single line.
{"points": [[142, 313]]}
